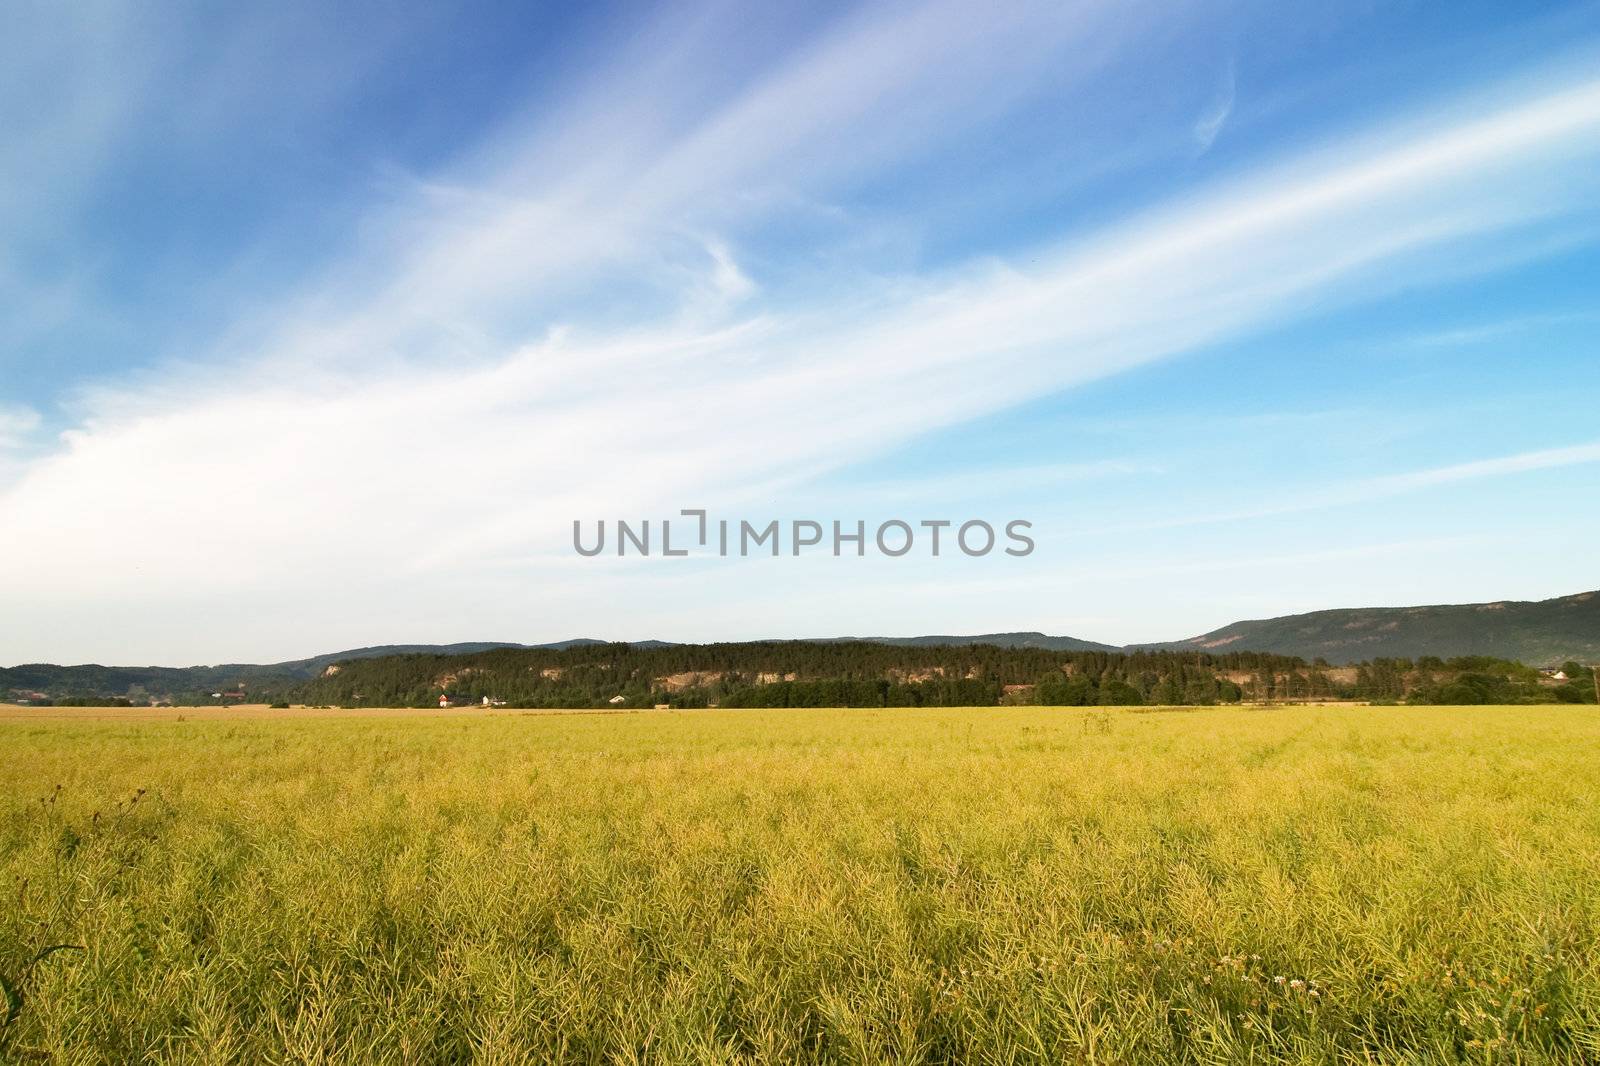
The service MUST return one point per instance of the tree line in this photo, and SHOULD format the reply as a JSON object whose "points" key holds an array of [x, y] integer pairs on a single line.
{"points": [[865, 674], [844, 673]]}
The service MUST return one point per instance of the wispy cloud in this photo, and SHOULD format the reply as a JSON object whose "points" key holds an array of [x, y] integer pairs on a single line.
{"points": [[1215, 115], [489, 365], [985, 486], [1545, 459], [1484, 332], [18, 431], [1388, 486], [16, 425]]}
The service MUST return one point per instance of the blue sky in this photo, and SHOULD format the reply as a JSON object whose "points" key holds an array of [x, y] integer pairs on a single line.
{"points": [[320, 323]]}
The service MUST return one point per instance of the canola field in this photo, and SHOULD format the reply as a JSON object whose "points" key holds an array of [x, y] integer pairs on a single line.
{"points": [[1287, 884]]}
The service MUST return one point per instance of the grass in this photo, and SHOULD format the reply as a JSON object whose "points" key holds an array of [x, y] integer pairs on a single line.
{"points": [[1307, 884]]}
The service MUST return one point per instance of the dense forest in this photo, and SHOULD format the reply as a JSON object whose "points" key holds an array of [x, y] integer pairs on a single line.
{"points": [[843, 673], [865, 674]]}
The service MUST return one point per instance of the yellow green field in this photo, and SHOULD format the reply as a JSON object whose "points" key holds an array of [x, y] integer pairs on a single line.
{"points": [[1301, 884]]}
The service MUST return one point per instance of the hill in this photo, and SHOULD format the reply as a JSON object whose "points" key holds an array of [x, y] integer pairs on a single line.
{"points": [[316, 664], [998, 640], [1542, 632]]}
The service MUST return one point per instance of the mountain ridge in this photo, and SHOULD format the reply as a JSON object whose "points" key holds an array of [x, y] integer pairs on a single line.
{"points": [[1021, 639]]}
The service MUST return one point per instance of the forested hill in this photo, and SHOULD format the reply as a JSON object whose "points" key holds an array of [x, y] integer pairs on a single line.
{"points": [[823, 673], [1543, 632], [789, 673], [866, 674], [1408, 643]]}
